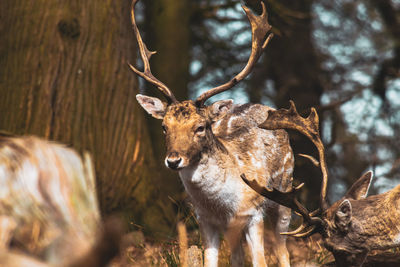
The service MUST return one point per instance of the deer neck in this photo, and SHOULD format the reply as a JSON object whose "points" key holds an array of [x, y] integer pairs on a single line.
{"points": [[212, 158]]}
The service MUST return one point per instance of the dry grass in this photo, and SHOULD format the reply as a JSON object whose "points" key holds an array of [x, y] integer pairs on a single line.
{"points": [[303, 252], [140, 252]]}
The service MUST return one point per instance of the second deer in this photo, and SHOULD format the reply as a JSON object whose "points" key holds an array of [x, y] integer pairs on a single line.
{"points": [[353, 225]]}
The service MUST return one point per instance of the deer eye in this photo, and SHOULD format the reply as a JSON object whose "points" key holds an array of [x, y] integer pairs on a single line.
{"points": [[164, 129], [200, 129]]}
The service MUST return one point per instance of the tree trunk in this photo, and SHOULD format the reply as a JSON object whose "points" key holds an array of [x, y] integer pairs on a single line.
{"points": [[64, 76], [168, 32]]}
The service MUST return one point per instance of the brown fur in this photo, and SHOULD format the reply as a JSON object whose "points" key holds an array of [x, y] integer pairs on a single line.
{"points": [[353, 225], [372, 224], [210, 147]]}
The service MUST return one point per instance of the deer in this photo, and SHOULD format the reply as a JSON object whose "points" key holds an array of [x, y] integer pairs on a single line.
{"points": [[49, 214], [353, 225], [211, 145]]}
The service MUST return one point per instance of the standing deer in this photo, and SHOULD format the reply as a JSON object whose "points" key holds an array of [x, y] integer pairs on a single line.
{"points": [[353, 225], [210, 146]]}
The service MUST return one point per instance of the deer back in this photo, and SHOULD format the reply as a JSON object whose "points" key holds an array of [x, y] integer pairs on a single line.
{"points": [[264, 153]]}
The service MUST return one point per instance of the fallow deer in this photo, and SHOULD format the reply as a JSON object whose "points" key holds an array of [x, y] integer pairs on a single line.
{"points": [[353, 225], [210, 146], [49, 214]]}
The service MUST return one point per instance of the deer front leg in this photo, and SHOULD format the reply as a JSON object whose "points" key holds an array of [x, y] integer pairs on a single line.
{"points": [[234, 236], [210, 235], [282, 225], [255, 240], [280, 221]]}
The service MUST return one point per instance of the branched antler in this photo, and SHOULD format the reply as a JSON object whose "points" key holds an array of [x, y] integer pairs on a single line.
{"points": [[259, 41], [146, 54], [289, 199], [290, 119]]}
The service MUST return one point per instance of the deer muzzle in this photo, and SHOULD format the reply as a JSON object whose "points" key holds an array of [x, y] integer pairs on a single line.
{"points": [[174, 161]]}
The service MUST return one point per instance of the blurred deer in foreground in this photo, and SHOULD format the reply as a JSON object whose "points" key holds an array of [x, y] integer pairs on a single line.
{"points": [[351, 226], [48, 207], [210, 146]]}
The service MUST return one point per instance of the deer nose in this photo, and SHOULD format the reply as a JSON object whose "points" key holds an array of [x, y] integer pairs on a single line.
{"points": [[173, 161]]}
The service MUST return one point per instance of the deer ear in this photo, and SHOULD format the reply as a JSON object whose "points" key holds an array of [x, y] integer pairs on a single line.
{"points": [[220, 108], [343, 215], [154, 106], [360, 188]]}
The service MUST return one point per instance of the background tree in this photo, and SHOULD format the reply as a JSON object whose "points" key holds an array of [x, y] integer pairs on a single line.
{"points": [[166, 30], [63, 76], [327, 54]]}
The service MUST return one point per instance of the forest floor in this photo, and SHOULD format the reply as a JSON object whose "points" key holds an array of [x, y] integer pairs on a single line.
{"points": [[140, 251]]}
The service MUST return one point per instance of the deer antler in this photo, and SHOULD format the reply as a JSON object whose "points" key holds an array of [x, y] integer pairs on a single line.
{"points": [[146, 54], [290, 119], [259, 41], [289, 199]]}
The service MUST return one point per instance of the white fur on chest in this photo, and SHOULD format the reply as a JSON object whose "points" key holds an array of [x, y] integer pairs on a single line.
{"points": [[214, 191]]}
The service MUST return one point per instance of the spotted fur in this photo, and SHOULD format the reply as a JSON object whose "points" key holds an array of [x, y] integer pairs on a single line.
{"points": [[210, 147]]}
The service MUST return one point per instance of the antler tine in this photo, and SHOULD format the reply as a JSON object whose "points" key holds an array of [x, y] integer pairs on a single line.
{"points": [[307, 232], [311, 158], [259, 41], [288, 199], [146, 54], [290, 119], [296, 231]]}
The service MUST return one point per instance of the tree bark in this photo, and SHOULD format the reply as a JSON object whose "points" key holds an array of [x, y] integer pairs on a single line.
{"points": [[63, 76], [167, 31]]}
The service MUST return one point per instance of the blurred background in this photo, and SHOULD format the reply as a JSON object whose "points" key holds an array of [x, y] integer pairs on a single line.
{"points": [[64, 76]]}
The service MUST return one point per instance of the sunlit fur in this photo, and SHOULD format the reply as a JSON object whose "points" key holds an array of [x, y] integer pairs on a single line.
{"points": [[214, 145], [366, 223], [181, 139]]}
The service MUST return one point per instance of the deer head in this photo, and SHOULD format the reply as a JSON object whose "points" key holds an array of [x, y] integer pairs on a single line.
{"points": [[351, 226], [187, 124]]}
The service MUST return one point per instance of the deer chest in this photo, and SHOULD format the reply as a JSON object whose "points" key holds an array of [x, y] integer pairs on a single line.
{"points": [[214, 192]]}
